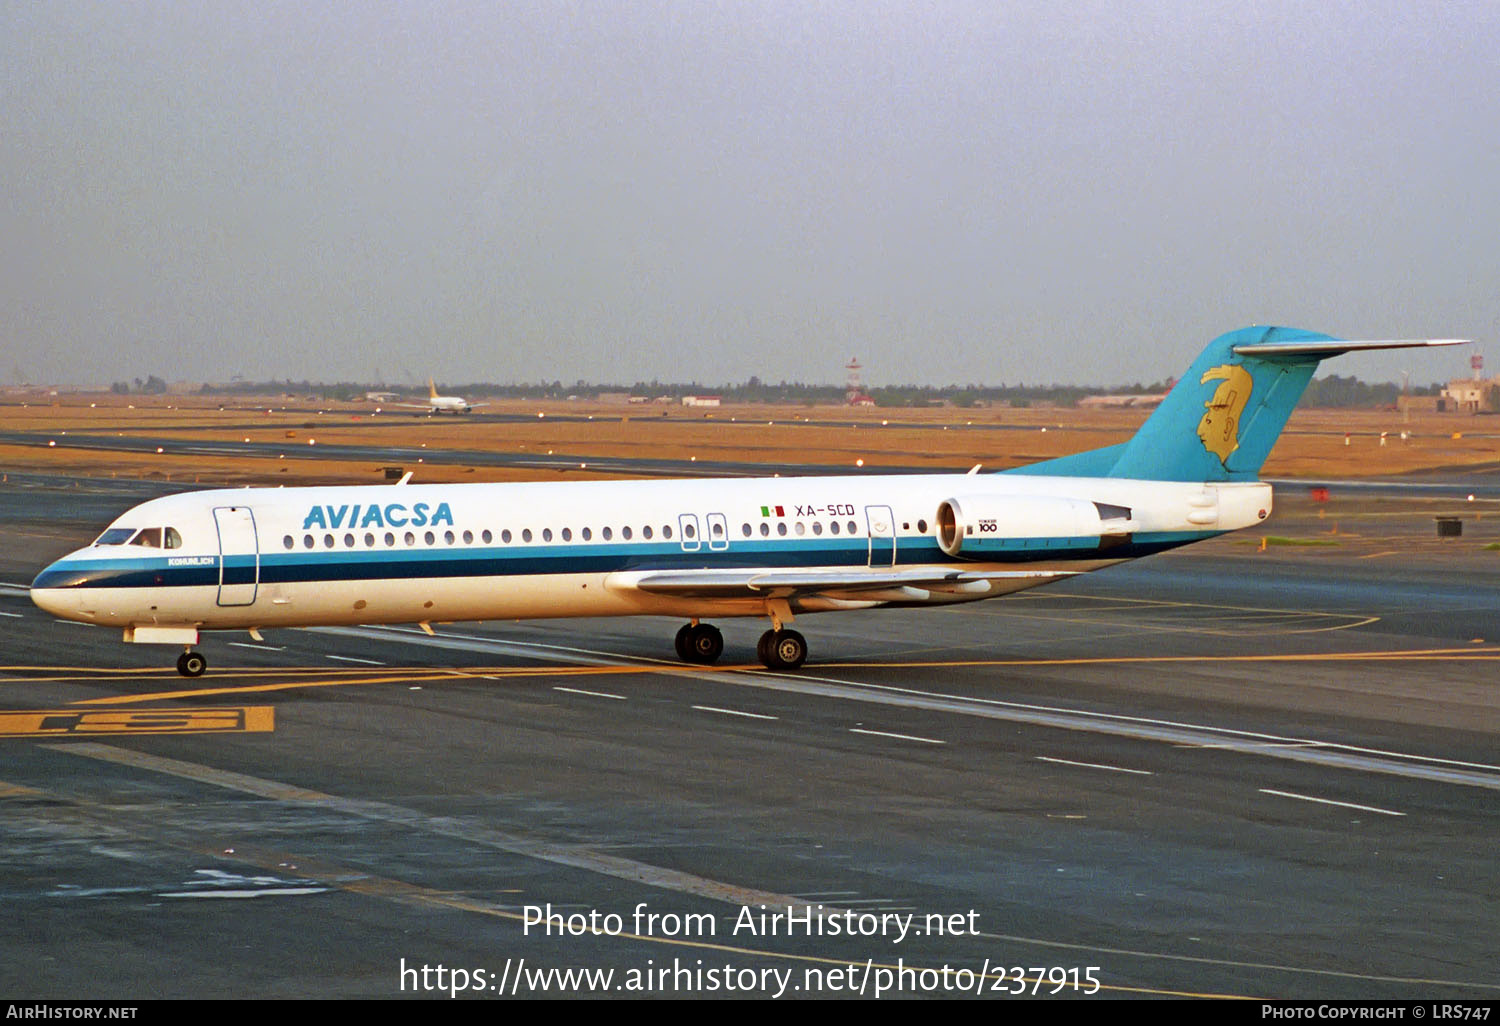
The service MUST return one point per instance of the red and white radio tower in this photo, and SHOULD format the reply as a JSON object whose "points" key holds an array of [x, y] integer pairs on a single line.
{"points": [[854, 389]]}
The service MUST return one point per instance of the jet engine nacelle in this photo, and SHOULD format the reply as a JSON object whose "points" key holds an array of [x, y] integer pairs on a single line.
{"points": [[984, 526]]}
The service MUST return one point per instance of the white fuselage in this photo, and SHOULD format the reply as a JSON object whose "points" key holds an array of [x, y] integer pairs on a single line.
{"points": [[254, 558]]}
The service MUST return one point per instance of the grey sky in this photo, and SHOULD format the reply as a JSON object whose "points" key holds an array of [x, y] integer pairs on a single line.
{"points": [[620, 191]]}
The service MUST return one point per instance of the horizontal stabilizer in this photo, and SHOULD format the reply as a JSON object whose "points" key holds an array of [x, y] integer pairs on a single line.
{"points": [[1323, 350]]}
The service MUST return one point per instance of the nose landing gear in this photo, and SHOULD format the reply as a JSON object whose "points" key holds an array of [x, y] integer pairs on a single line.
{"points": [[191, 663]]}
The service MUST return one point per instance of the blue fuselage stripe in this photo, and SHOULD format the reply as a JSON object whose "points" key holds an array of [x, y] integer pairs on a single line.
{"points": [[300, 567]]}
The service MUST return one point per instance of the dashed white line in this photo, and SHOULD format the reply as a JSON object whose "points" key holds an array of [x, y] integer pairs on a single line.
{"points": [[734, 712], [1329, 801], [898, 737], [1259, 747], [591, 694], [1095, 765], [352, 659], [262, 648], [16, 615]]}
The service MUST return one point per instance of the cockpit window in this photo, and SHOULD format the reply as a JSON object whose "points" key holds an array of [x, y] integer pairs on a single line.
{"points": [[171, 538], [150, 537], [115, 536]]}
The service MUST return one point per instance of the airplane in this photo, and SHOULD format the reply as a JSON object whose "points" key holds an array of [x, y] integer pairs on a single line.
{"points": [[441, 403], [773, 548]]}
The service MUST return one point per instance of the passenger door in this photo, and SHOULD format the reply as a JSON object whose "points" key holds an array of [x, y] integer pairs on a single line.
{"points": [[239, 555], [882, 526]]}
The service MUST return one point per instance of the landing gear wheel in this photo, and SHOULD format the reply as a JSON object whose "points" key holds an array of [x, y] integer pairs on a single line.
{"points": [[782, 650], [700, 644], [763, 648], [681, 641], [191, 664]]}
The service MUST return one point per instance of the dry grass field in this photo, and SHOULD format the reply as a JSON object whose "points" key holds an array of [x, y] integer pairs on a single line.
{"points": [[1314, 445]]}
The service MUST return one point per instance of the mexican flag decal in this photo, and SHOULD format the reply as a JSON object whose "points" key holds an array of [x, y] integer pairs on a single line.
{"points": [[772, 511]]}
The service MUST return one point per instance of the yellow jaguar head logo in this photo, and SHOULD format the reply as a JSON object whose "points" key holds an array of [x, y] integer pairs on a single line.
{"points": [[1219, 430]]}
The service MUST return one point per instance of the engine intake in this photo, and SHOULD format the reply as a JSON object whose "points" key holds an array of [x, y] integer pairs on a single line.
{"points": [[986, 526]]}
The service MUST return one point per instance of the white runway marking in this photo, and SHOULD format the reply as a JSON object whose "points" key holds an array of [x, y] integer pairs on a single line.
{"points": [[1303, 750], [262, 648], [592, 694], [1329, 801], [898, 737], [16, 615], [735, 712], [1095, 765], [352, 659]]}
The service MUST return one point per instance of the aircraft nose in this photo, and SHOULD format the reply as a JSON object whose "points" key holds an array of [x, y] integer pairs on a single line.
{"points": [[50, 590]]}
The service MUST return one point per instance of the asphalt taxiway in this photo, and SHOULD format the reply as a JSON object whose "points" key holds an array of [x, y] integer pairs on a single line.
{"points": [[1218, 771]]}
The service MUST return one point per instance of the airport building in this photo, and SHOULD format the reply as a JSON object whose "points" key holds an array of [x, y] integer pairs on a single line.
{"points": [[1470, 395]]}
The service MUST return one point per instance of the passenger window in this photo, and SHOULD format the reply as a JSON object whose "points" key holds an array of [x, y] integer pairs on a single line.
{"points": [[666, 531], [781, 529], [717, 529], [348, 541], [468, 537], [765, 529], [287, 542], [526, 535], [546, 534], [567, 534], [487, 537], [834, 527], [307, 541], [428, 538], [448, 537], [505, 536], [646, 531], [410, 539], [745, 530], [328, 541], [853, 527], [390, 539], [690, 531], [587, 534], [607, 533], [800, 528], [922, 526], [172, 539], [369, 540], [817, 527], [625, 533]]}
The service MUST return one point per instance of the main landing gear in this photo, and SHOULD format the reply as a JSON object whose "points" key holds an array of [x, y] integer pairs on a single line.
{"points": [[779, 649], [699, 643], [191, 664]]}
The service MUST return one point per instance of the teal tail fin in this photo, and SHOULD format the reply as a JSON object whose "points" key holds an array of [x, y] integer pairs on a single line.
{"points": [[1219, 422]]}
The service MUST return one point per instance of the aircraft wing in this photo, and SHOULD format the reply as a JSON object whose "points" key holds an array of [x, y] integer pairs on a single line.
{"points": [[856, 584]]}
